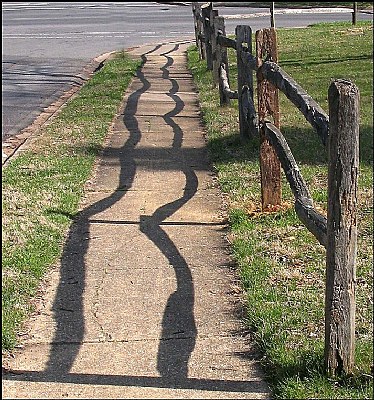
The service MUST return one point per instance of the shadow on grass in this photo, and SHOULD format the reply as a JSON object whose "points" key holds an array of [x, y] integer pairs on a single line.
{"points": [[59, 212], [304, 143], [307, 369], [92, 149], [231, 148], [307, 148], [305, 63]]}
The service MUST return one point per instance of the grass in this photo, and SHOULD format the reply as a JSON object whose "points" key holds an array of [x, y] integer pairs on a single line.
{"points": [[43, 185], [282, 266]]}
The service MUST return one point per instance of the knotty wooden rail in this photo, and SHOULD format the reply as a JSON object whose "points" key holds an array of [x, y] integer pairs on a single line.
{"points": [[338, 131]]}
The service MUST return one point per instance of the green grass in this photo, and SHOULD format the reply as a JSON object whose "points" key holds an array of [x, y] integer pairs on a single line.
{"points": [[281, 264], [42, 188]]}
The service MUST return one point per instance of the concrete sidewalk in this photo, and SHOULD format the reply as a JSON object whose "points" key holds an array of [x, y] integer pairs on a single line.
{"points": [[145, 302]]}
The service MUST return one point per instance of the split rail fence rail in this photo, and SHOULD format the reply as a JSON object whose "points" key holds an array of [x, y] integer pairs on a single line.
{"points": [[339, 131]]}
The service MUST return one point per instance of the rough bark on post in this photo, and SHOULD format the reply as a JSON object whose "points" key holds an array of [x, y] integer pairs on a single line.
{"points": [[215, 52], [311, 110], [225, 92], [213, 38], [206, 13], [245, 79], [196, 10], [221, 59], [343, 150], [195, 13], [268, 106]]}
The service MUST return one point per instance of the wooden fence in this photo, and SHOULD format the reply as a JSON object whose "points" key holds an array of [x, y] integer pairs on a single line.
{"points": [[339, 131]]}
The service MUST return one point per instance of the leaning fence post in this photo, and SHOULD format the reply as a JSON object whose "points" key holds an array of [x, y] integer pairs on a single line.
{"points": [[245, 82], [343, 153], [268, 106]]}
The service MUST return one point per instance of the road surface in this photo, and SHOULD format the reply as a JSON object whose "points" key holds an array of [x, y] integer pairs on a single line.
{"points": [[47, 44]]}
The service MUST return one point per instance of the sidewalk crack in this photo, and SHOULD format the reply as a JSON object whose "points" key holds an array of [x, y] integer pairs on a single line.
{"points": [[103, 335]]}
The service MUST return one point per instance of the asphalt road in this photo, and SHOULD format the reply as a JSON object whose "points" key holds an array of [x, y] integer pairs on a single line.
{"points": [[46, 45]]}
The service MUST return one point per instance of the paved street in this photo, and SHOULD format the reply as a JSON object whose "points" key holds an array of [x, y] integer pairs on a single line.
{"points": [[47, 44]]}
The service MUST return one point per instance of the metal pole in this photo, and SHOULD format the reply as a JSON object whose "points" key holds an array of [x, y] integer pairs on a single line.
{"points": [[272, 22], [354, 13]]}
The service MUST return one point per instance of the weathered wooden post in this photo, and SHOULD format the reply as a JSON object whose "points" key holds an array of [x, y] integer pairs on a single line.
{"points": [[222, 60], [245, 82], [195, 13], [218, 28], [268, 106], [213, 41], [206, 13], [343, 152], [215, 55], [196, 10]]}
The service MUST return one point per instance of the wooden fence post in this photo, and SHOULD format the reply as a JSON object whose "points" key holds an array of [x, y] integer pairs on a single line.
{"points": [[215, 55], [245, 81], [222, 60], [195, 13], [268, 106], [196, 10], [343, 152], [213, 42], [218, 26], [207, 12]]}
